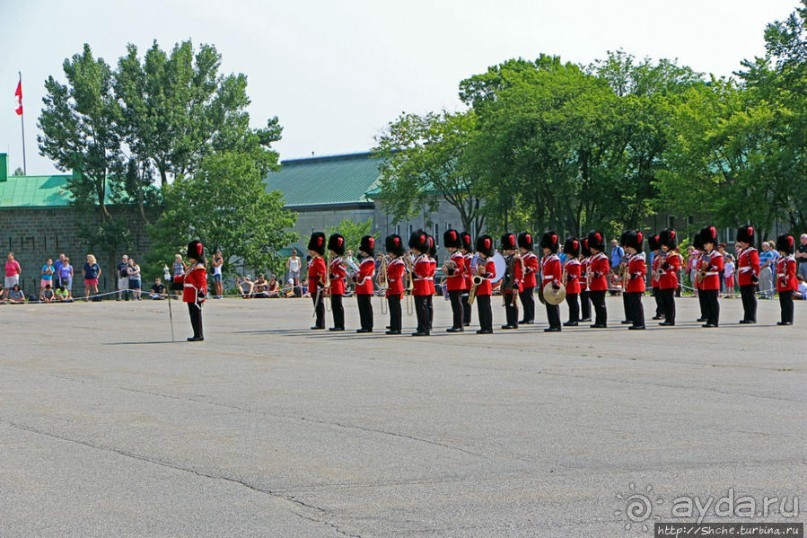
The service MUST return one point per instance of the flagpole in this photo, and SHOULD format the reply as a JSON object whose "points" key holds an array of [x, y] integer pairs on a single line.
{"points": [[22, 129]]}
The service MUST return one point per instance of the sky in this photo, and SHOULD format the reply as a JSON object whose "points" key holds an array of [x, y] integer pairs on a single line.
{"points": [[336, 72]]}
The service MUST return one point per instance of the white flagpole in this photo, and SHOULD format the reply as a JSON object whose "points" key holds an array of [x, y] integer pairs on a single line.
{"points": [[22, 129]]}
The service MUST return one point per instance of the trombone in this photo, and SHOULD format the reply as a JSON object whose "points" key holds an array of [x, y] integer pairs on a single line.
{"points": [[381, 282], [410, 285]]}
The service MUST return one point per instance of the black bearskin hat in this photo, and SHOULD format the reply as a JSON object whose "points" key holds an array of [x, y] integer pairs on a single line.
{"points": [[634, 239], [709, 235], [484, 245], [785, 243], [697, 241], [745, 234], [452, 239], [395, 245], [653, 242], [317, 243], [467, 242], [550, 240], [525, 240], [419, 241], [623, 239], [431, 246], [668, 238], [572, 247], [196, 251], [584, 250], [596, 240], [367, 245], [336, 243], [509, 242]]}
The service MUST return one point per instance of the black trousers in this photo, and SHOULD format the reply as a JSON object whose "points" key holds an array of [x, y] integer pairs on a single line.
{"points": [[456, 308], [484, 312], [430, 310], [667, 298], [786, 305], [553, 315], [319, 308], [511, 308], [633, 302], [585, 304], [712, 306], [466, 309], [749, 298], [195, 312], [365, 302], [702, 303], [422, 313], [394, 312], [527, 297], [626, 306], [574, 307], [600, 312], [338, 311], [659, 303]]}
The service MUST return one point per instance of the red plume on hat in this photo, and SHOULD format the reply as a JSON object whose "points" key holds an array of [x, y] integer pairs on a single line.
{"points": [[525, 240], [336, 243], [394, 245], [452, 239], [745, 234], [367, 244], [785, 243], [571, 247], [484, 245], [317, 243]]}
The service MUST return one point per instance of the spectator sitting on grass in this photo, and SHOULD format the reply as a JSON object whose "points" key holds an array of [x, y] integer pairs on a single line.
{"points": [[62, 295], [47, 295], [245, 285], [801, 291], [158, 290], [273, 287], [261, 287], [291, 288], [15, 295]]}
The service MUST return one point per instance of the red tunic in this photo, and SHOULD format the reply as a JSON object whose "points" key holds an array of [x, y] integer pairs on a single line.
{"points": [[598, 271], [364, 278], [316, 273], [668, 279], [486, 287], [338, 274], [422, 275], [531, 265], [396, 271], [433, 264], [551, 270], [573, 271], [195, 284], [467, 273], [748, 266], [456, 279], [654, 275], [712, 265], [786, 274], [637, 270], [584, 268]]}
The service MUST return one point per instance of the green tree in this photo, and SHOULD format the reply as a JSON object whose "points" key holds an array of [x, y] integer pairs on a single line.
{"points": [[424, 162], [226, 206], [352, 231]]}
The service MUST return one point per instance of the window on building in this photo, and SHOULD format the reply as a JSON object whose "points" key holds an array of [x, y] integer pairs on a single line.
{"points": [[410, 230], [436, 233], [670, 222]]}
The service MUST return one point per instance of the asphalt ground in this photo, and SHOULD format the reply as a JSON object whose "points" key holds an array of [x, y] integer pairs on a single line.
{"points": [[107, 428]]}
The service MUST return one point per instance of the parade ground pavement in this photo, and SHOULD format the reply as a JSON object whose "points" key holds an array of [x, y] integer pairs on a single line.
{"points": [[108, 428]]}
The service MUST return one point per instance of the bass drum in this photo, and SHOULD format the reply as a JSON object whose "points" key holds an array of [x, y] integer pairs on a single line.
{"points": [[501, 267]]}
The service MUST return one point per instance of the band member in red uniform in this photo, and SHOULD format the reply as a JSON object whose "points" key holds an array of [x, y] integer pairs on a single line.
{"points": [[711, 267], [364, 283], [585, 262], [623, 268], [635, 279], [786, 280], [511, 282], [317, 277], [421, 274], [669, 265], [194, 289], [337, 273], [454, 270], [697, 284], [599, 268], [527, 295], [486, 270], [396, 272], [572, 270], [748, 272], [467, 251], [655, 249], [552, 273], [431, 254]]}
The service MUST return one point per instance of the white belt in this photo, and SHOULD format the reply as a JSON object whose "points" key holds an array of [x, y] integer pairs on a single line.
{"points": [[781, 274], [745, 269], [712, 273], [425, 278]]}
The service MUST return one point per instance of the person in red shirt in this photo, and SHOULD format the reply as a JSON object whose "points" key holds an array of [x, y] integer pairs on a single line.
{"points": [[551, 273], [711, 268], [655, 248], [395, 275], [421, 274], [317, 277], [486, 271], [431, 255], [194, 290], [669, 265], [599, 267], [585, 262], [511, 282], [635, 278], [572, 270], [786, 281], [530, 261], [363, 281], [454, 270], [468, 254], [747, 273], [337, 273]]}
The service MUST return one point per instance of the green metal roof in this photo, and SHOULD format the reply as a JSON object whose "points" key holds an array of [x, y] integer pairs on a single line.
{"points": [[335, 180], [34, 191]]}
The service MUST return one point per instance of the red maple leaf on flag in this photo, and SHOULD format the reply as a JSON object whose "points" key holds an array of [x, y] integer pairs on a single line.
{"points": [[18, 95]]}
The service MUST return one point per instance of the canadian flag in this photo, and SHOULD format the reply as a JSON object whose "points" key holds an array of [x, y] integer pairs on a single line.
{"points": [[18, 95]]}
